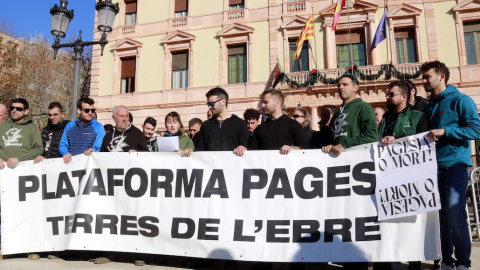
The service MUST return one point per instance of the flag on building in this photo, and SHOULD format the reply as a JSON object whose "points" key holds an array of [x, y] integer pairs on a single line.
{"points": [[381, 33], [338, 10], [307, 33]]}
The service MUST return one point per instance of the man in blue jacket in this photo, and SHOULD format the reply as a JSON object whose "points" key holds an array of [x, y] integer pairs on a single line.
{"points": [[84, 135], [454, 121]]}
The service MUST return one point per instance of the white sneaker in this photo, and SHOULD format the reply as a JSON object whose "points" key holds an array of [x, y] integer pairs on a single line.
{"points": [[446, 267], [461, 267]]}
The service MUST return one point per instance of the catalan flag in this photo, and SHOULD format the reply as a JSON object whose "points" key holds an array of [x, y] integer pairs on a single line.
{"points": [[307, 33], [338, 10]]}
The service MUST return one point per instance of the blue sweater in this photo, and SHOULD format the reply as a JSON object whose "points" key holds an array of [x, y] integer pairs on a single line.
{"points": [[457, 114], [80, 136]]}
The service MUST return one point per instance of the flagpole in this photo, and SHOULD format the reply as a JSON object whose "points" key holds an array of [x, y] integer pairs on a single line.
{"points": [[387, 30], [314, 41], [349, 36]]}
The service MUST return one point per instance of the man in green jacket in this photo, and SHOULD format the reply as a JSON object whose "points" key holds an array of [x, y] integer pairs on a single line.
{"points": [[355, 123], [400, 120], [21, 139]]}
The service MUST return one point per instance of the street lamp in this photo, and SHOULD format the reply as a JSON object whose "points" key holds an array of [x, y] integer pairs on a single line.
{"points": [[61, 18]]}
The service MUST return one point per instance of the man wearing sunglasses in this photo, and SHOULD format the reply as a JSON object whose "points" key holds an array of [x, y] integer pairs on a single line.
{"points": [[400, 120], [84, 135], [222, 132], [355, 123], [20, 138]]}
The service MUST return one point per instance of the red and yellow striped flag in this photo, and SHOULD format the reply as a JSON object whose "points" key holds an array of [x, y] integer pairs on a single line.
{"points": [[307, 33], [338, 10]]}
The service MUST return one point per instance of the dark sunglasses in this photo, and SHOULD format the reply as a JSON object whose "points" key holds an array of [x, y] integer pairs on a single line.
{"points": [[89, 110], [211, 104], [19, 109], [297, 116], [391, 95]]}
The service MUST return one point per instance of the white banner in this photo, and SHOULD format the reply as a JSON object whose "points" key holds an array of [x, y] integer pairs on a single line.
{"points": [[406, 177], [304, 206]]}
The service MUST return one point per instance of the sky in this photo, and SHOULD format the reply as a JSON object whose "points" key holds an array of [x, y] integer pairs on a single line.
{"points": [[29, 17]]}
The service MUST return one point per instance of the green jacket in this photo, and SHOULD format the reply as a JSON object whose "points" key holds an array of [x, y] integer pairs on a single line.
{"points": [[355, 124], [20, 140], [185, 142], [408, 123]]}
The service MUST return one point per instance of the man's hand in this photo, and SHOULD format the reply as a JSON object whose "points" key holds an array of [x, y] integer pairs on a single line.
{"points": [[132, 151], [387, 140], [2, 163], [240, 150], [435, 133], [286, 149], [187, 152], [12, 162], [67, 158], [327, 149], [88, 152], [337, 150], [38, 159]]}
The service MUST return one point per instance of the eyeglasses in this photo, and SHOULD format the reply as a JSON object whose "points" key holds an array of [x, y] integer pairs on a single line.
{"points": [[391, 95], [19, 109], [211, 104], [89, 110], [297, 116]]}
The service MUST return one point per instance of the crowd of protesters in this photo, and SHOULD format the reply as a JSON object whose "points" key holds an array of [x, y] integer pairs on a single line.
{"points": [[450, 116]]}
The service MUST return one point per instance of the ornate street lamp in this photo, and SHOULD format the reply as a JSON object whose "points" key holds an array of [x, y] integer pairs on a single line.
{"points": [[61, 18]]}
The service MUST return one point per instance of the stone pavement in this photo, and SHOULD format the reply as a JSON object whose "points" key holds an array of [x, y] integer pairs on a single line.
{"points": [[20, 262]]}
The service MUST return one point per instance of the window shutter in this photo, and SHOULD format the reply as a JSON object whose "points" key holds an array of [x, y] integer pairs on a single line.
{"points": [[235, 50], [179, 60], [404, 33], [356, 36], [181, 5], [235, 2], [128, 67], [471, 27], [130, 7]]}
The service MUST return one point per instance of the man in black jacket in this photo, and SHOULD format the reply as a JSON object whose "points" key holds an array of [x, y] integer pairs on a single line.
{"points": [[52, 132], [278, 132], [222, 132]]}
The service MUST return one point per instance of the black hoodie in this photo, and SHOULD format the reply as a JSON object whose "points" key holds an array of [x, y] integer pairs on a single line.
{"points": [[124, 141], [51, 137], [225, 136]]}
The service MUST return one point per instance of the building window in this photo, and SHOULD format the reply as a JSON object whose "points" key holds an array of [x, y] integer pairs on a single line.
{"points": [[353, 45], [128, 75], [405, 45], [179, 70], [237, 64], [181, 8], [236, 4], [300, 64], [130, 12], [471, 32]]}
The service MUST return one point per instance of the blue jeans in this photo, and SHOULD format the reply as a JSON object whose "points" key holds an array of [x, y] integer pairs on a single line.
{"points": [[454, 231]]}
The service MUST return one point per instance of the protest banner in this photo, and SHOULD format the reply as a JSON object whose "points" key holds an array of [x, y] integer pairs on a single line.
{"points": [[406, 177], [305, 206]]}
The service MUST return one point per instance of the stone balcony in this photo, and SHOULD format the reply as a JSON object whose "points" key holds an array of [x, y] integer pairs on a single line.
{"points": [[128, 29], [302, 77], [235, 14], [295, 7]]}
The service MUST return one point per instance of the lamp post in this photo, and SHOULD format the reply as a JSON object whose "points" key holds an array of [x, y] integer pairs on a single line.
{"points": [[61, 18]]}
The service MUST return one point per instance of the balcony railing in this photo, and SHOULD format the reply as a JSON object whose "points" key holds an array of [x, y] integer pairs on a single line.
{"points": [[298, 6], [178, 22], [301, 77], [128, 29], [236, 14]]}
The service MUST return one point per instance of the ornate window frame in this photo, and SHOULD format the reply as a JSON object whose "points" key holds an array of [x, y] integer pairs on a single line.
{"points": [[125, 48], [174, 42], [465, 11], [405, 15], [291, 29], [362, 16], [234, 34]]}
